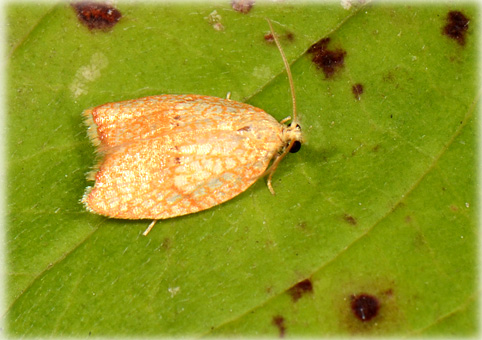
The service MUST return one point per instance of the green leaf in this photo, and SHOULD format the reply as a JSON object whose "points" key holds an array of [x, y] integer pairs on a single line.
{"points": [[380, 200]]}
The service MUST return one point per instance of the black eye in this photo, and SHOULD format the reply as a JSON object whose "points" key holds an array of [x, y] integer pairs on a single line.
{"points": [[296, 146]]}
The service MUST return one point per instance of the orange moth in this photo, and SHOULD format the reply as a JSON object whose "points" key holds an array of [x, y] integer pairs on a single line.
{"points": [[171, 155]]}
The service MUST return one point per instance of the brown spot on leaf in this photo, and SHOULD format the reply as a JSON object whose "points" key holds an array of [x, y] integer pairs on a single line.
{"points": [[357, 90], [301, 288], [350, 219], [364, 306], [279, 322], [327, 60], [268, 37], [388, 292], [166, 243], [242, 6], [366, 296], [457, 26], [389, 77], [96, 15]]}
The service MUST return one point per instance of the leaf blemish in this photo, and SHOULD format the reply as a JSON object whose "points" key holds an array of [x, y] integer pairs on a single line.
{"points": [[300, 289], [456, 27], [289, 36], [279, 322], [327, 60], [96, 15], [350, 219], [364, 306], [242, 6], [357, 90]]}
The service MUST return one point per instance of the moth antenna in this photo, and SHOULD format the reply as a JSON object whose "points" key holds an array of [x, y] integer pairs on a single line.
{"points": [[288, 71]]}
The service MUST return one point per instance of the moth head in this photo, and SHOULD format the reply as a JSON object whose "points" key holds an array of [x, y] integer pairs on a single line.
{"points": [[292, 137]]}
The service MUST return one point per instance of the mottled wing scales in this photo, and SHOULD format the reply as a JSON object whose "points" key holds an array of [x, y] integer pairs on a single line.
{"points": [[179, 165], [124, 122]]}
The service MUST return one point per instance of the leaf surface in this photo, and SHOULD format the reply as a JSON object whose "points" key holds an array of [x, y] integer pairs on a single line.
{"points": [[380, 200]]}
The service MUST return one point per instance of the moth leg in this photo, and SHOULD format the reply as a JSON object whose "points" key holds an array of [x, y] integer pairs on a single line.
{"points": [[228, 96], [271, 171], [270, 187], [273, 166], [149, 228]]}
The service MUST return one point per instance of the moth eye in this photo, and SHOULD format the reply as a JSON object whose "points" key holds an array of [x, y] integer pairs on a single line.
{"points": [[296, 147]]}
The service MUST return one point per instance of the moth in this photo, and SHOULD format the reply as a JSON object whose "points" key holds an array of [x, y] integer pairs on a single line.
{"points": [[171, 155]]}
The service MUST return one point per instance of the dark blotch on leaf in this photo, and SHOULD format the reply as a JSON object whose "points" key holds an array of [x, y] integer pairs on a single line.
{"points": [[268, 37], [350, 219], [279, 322], [457, 26], [166, 243], [301, 288], [327, 60], [96, 15], [242, 6], [357, 90], [364, 306]]}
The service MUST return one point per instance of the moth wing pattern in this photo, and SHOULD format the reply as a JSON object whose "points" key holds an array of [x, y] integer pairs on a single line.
{"points": [[201, 152], [127, 121]]}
